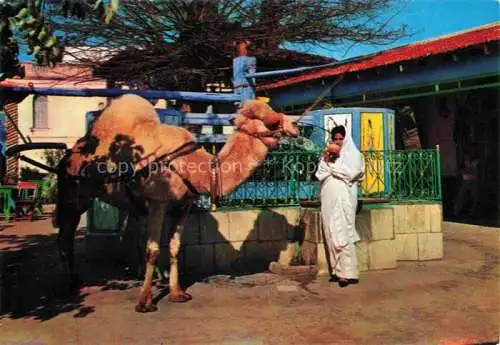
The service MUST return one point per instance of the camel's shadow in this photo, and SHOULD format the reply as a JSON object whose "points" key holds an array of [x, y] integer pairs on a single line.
{"points": [[241, 249], [30, 285]]}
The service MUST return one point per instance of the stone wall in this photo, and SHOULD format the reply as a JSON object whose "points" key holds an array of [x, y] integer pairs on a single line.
{"points": [[388, 234], [246, 241], [238, 241]]}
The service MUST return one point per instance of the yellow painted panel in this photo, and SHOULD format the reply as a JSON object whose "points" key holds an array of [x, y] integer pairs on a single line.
{"points": [[372, 139]]}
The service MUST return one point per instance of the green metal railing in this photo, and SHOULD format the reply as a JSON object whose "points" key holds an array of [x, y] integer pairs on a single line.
{"points": [[287, 178], [406, 175]]}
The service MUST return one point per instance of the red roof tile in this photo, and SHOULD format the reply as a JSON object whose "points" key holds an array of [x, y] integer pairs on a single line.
{"points": [[412, 51]]}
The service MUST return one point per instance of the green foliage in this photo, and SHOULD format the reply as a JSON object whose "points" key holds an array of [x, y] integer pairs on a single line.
{"points": [[9, 63], [28, 22], [49, 190], [30, 174], [35, 31], [78, 9], [52, 157], [48, 181], [107, 11]]}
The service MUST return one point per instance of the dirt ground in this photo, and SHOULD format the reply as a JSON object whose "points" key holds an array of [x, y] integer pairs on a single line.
{"points": [[450, 301]]}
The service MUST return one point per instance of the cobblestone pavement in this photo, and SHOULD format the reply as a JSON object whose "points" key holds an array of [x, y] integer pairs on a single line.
{"points": [[450, 301]]}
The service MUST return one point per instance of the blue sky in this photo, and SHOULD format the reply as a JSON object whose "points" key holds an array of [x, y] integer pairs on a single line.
{"points": [[425, 18]]}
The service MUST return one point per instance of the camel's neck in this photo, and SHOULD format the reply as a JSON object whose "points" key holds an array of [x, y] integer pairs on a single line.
{"points": [[239, 157]]}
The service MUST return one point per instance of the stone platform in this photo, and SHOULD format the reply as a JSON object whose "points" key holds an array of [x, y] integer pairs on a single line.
{"points": [[389, 233], [243, 241]]}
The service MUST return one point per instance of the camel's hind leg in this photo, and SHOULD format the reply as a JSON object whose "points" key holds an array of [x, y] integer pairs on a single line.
{"points": [[176, 293], [156, 214]]}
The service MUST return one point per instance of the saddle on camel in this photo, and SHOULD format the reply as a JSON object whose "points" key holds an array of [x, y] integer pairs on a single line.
{"points": [[117, 162]]}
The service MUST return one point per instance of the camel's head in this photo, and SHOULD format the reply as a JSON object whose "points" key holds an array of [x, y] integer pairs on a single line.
{"points": [[258, 119]]}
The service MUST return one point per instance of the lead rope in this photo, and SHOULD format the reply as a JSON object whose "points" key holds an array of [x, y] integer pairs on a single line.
{"points": [[214, 186], [322, 94]]}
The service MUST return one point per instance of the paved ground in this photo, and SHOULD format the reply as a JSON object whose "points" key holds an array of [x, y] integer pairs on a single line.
{"points": [[451, 301]]}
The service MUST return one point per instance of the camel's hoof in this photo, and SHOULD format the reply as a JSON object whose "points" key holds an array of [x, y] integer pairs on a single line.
{"points": [[180, 298], [142, 308]]}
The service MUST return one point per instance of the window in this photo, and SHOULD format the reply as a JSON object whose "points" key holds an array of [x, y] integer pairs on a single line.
{"points": [[40, 113]]}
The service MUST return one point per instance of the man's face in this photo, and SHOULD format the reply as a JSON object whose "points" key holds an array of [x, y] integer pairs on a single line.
{"points": [[338, 139]]}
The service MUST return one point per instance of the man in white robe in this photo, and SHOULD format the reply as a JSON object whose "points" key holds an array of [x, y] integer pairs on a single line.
{"points": [[339, 196]]}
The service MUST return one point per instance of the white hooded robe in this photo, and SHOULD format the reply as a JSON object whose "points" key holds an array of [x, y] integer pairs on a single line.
{"points": [[339, 196]]}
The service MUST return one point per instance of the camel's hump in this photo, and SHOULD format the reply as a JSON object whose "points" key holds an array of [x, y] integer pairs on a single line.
{"points": [[128, 130], [124, 116], [130, 109]]}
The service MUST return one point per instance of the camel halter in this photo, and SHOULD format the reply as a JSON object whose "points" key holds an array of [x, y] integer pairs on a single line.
{"points": [[276, 133]]}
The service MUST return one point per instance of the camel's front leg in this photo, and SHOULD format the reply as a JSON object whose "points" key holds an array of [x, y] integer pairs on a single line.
{"points": [[176, 293], [156, 214]]}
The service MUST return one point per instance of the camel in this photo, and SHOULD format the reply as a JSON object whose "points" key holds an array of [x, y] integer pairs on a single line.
{"points": [[130, 160]]}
